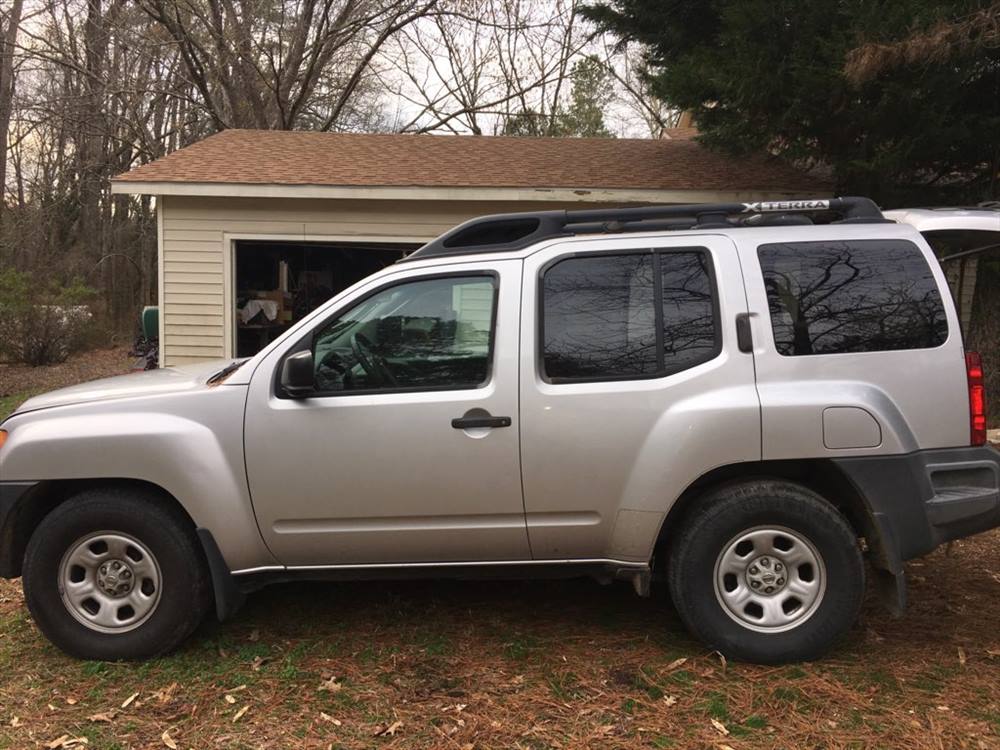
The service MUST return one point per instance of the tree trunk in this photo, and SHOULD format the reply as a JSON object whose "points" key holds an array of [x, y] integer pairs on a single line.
{"points": [[8, 38]]}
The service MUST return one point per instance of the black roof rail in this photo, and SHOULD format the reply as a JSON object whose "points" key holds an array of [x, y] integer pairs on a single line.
{"points": [[516, 231]]}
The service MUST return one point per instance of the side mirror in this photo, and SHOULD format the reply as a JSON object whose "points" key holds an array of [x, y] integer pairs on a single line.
{"points": [[297, 375]]}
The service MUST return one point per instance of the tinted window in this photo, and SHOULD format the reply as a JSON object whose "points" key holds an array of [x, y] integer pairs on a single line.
{"points": [[423, 334], [627, 316], [860, 296], [689, 335]]}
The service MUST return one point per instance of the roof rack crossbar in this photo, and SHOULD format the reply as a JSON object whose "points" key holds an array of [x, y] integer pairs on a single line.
{"points": [[505, 232]]}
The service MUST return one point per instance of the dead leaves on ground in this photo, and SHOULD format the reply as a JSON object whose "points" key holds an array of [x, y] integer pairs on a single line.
{"points": [[129, 701], [106, 716], [720, 727], [389, 731], [675, 664], [67, 741], [166, 695], [330, 685], [327, 718]]}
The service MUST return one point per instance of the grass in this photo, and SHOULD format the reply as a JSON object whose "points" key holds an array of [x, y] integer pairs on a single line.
{"points": [[523, 664], [11, 401]]}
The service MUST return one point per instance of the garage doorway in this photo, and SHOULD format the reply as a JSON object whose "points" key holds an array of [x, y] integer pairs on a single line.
{"points": [[279, 283]]}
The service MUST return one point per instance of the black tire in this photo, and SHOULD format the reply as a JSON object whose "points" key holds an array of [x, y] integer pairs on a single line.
{"points": [[725, 513], [184, 586]]}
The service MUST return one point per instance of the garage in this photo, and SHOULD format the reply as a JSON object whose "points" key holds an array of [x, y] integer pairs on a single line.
{"points": [[256, 228], [279, 283]]}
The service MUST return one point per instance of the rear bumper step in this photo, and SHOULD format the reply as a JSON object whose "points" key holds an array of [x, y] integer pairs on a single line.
{"points": [[921, 500]]}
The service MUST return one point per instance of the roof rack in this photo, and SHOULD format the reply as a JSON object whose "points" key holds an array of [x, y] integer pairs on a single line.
{"points": [[516, 231]]}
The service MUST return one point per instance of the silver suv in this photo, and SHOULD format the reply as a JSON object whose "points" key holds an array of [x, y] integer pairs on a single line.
{"points": [[742, 400]]}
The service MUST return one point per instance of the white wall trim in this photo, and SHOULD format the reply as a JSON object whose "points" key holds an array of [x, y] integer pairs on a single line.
{"points": [[229, 240], [516, 194], [161, 316]]}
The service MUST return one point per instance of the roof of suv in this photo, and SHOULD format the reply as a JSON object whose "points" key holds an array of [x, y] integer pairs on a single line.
{"points": [[517, 231]]}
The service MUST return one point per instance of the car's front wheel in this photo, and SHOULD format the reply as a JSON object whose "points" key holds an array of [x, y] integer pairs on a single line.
{"points": [[116, 573], [766, 571]]}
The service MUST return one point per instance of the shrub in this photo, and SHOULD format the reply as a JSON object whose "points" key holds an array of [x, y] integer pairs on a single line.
{"points": [[41, 322]]}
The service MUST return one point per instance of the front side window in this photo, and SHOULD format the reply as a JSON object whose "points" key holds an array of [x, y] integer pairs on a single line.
{"points": [[628, 316], [856, 296], [431, 334]]}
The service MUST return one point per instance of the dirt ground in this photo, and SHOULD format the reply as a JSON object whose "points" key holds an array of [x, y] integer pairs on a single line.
{"points": [[19, 382], [548, 664], [520, 665]]}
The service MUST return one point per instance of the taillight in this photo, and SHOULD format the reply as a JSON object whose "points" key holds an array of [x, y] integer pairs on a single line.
{"points": [[977, 397]]}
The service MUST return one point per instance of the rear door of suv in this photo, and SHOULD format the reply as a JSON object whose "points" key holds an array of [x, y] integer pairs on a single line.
{"points": [[632, 386]]}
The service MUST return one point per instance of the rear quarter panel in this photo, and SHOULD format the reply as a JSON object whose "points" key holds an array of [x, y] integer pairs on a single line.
{"points": [[918, 397]]}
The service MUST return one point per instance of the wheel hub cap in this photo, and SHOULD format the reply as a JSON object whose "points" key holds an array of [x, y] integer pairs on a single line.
{"points": [[766, 575], [115, 578], [770, 579], [110, 582]]}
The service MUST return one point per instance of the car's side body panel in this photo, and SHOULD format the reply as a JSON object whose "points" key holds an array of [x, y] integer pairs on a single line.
{"points": [[603, 462]]}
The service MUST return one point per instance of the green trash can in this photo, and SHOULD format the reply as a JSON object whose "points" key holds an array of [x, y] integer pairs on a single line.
{"points": [[151, 322]]}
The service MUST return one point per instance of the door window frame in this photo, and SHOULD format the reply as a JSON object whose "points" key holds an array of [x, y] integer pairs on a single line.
{"points": [[658, 310], [306, 341]]}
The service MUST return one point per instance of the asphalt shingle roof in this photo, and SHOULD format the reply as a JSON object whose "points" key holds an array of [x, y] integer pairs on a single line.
{"points": [[271, 157]]}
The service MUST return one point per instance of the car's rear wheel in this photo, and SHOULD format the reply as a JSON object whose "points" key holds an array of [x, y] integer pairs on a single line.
{"points": [[116, 573], [766, 571]]}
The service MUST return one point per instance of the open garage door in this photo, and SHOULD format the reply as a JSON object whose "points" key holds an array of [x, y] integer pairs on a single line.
{"points": [[279, 283]]}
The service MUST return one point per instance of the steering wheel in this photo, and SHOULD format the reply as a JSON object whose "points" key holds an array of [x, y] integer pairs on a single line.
{"points": [[371, 362]]}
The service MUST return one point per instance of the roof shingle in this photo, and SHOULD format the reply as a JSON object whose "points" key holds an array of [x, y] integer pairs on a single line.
{"points": [[271, 157]]}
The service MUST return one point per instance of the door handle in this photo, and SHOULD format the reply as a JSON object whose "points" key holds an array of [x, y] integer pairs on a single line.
{"points": [[468, 423], [744, 335]]}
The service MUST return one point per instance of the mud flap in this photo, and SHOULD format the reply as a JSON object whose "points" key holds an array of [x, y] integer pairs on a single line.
{"points": [[228, 596]]}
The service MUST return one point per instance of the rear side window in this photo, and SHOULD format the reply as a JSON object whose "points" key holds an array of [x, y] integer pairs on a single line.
{"points": [[857, 296], [628, 316]]}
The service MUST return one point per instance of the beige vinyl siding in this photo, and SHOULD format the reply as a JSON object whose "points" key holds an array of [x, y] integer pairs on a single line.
{"points": [[198, 232]]}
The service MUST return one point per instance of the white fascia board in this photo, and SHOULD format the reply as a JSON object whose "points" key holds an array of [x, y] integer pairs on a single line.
{"points": [[582, 195]]}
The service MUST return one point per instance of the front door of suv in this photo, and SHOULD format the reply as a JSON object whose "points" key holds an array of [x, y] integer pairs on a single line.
{"points": [[632, 387], [377, 466]]}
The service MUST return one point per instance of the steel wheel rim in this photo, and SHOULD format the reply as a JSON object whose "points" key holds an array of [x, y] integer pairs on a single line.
{"points": [[775, 557], [109, 582]]}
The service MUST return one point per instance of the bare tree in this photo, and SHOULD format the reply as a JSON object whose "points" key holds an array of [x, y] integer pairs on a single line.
{"points": [[10, 23], [633, 97], [280, 65], [484, 62], [103, 85]]}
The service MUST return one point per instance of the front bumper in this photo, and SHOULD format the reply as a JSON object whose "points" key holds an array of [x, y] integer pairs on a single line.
{"points": [[922, 499]]}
